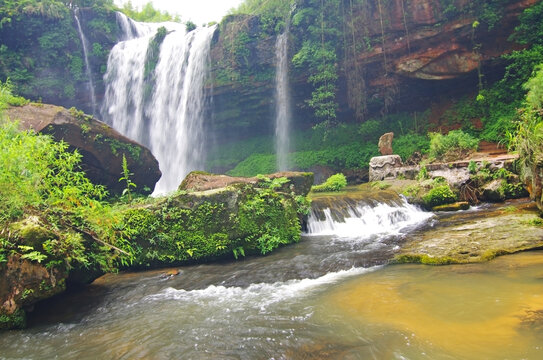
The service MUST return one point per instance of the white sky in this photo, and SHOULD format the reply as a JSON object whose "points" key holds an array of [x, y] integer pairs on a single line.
{"points": [[198, 11]]}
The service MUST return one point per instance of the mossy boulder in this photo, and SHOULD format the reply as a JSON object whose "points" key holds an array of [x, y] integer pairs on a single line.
{"points": [[23, 283], [231, 221], [102, 148], [299, 182]]}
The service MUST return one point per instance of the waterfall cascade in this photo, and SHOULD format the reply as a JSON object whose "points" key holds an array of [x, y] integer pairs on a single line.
{"points": [[282, 102], [88, 71], [363, 218], [164, 108]]}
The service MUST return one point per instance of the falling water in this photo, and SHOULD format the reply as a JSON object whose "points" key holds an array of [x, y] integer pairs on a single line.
{"points": [[84, 43], [163, 110], [355, 219], [282, 102]]}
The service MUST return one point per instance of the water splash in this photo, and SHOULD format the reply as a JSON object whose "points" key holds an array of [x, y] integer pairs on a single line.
{"points": [[163, 110], [282, 103], [88, 71], [365, 218]]}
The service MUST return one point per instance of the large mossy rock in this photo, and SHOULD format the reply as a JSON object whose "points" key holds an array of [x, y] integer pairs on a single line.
{"points": [[216, 216], [299, 182], [102, 148]]}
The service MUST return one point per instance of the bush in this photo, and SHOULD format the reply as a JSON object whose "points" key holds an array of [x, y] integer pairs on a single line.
{"points": [[439, 195], [454, 140], [335, 182]]}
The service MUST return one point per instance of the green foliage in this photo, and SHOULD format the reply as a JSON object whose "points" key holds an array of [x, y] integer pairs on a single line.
{"points": [[126, 178], [7, 98], [41, 51], [170, 233], [439, 195], [190, 26], [269, 8], [147, 13], [318, 24], [335, 182], [454, 140], [527, 139]]}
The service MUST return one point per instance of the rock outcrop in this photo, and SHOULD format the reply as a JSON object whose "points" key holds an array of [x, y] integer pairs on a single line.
{"points": [[299, 182], [102, 148], [409, 53], [22, 284]]}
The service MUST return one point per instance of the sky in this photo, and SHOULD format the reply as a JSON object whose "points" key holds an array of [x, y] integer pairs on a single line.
{"points": [[198, 11]]}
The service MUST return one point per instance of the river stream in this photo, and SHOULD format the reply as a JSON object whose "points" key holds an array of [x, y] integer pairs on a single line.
{"points": [[331, 296]]}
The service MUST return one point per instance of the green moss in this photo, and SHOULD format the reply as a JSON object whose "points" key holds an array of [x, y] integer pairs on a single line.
{"points": [[17, 320], [190, 227], [439, 195], [335, 182], [424, 259]]}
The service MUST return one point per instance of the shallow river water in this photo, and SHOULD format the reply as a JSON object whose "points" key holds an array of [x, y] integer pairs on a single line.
{"points": [[328, 297]]}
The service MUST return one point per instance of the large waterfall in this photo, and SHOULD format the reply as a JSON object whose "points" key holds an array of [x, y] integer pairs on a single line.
{"points": [[282, 103], [88, 71], [161, 108]]}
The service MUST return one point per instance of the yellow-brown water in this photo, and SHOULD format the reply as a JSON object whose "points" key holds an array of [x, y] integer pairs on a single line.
{"points": [[480, 311]]}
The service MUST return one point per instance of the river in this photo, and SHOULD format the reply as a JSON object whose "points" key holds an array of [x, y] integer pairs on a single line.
{"points": [[331, 296]]}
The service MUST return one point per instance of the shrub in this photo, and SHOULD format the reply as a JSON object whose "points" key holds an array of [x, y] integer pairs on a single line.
{"points": [[439, 195], [454, 140], [335, 182]]}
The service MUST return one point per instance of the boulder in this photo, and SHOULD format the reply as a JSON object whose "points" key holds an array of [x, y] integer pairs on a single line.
{"points": [[384, 167], [102, 148], [299, 182], [22, 284], [385, 144]]}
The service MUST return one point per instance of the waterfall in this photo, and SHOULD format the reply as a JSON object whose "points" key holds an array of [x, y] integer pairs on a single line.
{"points": [[282, 102], [163, 110], [84, 43], [363, 218]]}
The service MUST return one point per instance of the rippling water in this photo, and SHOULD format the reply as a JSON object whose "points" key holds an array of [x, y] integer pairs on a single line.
{"points": [[328, 297]]}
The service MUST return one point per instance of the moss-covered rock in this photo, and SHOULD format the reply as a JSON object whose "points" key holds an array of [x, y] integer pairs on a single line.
{"points": [[231, 221], [102, 148], [298, 182], [23, 283], [474, 237]]}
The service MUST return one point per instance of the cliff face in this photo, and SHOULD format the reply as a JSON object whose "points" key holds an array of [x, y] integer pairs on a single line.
{"points": [[392, 55]]}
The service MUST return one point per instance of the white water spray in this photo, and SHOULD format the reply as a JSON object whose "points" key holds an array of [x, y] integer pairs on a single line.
{"points": [[282, 103], [363, 219], [165, 113], [88, 71]]}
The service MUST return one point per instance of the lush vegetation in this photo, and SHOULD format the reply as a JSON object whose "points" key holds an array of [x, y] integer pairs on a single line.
{"points": [[454, 142], [41, 51], [147, 13], [335, 182]]}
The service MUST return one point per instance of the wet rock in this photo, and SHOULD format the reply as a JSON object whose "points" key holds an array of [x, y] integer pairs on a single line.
{"points": [[470, 237], [102, 148], [460, 205], [22, 284], [385, 144], [492, 191], [384, 167]]}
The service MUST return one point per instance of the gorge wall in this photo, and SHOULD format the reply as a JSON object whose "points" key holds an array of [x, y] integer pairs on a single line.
{"points": [[388, 56]]}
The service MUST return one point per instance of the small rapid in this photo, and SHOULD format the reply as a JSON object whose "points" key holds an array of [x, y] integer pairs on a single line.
{"points": [[364, 218]]}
